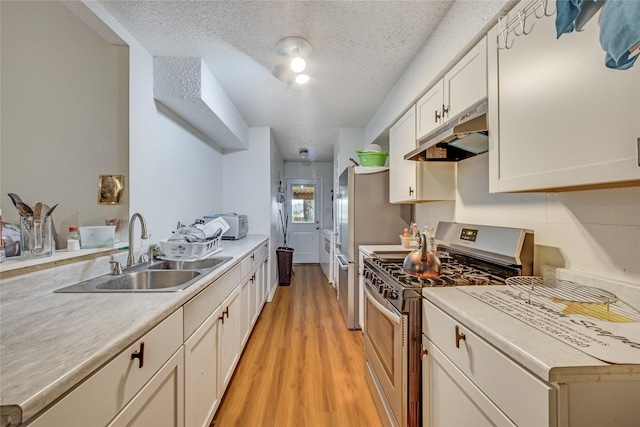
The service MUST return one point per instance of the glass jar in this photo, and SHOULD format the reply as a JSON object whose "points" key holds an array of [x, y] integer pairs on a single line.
{"points": [[73, 239], [35, 237]]}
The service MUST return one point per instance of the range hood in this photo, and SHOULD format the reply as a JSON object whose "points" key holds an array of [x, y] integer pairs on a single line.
{"points": [[462, 137]]}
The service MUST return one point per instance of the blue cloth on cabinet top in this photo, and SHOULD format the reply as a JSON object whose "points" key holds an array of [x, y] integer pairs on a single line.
{"points": [[566, 13], [619, 32]]}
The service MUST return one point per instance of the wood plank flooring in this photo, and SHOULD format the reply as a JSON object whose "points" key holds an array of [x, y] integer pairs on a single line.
{"points": [[301, 366]]}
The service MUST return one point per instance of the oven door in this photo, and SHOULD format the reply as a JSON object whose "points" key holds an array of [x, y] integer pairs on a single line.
{"points": [[386, 354]]}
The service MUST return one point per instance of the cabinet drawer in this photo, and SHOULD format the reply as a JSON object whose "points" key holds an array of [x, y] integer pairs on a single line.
{"points": [[490, 370], [263, 253], [97, 400], [203, 304], [246, 265], [250, 262]]}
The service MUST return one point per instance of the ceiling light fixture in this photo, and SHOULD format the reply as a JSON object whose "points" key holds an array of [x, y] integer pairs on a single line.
{"points": [[296, 50], [307, 154], [302, 79], [298, 64]]}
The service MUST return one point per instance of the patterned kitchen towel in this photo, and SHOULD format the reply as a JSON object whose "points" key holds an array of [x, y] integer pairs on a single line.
{"points": [[619, 32]]}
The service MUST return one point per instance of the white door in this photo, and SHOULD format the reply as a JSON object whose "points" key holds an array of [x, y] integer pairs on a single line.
{"points": [[304, 207]]}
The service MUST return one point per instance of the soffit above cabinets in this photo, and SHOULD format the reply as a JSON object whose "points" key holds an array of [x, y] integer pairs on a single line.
{"points": [[187, 88]]}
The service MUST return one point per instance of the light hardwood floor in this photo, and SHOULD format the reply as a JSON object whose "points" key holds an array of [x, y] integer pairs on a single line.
{"points": [[301, 366]]}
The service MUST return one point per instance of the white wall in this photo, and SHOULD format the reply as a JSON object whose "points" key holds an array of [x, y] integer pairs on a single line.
{"points": [[175, 176], [322, 170], [247, 188], [64, 114], [170, 174], [592, 231]]}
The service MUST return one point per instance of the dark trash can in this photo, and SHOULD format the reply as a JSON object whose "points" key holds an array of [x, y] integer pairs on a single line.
{"points": [[285, 261]]}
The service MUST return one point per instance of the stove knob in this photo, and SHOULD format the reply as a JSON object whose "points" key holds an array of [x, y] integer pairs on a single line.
{"points": [[385, 292], [393, 294], [380, 288]]}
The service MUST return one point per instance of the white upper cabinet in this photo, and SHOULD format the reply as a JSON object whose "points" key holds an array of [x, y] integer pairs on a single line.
{"points": [[429, 110], [464, 85], [565, 119], [402, 173], [411, 181]]}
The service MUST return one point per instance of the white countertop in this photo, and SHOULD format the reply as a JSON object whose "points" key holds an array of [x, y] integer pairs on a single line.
{"points": [[542, 354], [49, 342]]}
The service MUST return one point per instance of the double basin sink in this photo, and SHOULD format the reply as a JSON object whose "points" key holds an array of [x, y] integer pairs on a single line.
{"points": [[160, 276]]}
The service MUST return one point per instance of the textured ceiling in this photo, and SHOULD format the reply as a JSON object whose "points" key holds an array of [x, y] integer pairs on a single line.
{"points": [[360, 50]]}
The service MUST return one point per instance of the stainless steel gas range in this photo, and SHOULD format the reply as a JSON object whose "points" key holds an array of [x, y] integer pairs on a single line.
{"points": [[471, 255]]}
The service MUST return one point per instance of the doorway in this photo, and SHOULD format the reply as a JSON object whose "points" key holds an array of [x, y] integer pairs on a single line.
{"points": [[304, 207]]}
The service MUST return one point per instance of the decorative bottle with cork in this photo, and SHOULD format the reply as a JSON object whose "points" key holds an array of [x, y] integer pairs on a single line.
{"points": [[73, 239]]}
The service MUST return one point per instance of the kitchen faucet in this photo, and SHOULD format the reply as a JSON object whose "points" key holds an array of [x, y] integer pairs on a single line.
{"points": [[143, 223]]}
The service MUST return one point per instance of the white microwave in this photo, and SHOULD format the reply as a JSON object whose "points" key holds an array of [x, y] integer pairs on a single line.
{"points": [[238, 226]]}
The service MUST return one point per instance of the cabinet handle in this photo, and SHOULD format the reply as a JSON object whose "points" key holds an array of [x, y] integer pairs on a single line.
{"points": [[459, 337], [253, 257], [444, 111], [139, 354], [437, 116], [221, 318], [410, 190], [253, 278]]}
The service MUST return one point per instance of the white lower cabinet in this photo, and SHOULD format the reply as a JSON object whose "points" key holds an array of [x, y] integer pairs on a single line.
{"points": [[245, 300], [230, 339], [449, 398], [202, 397], [151, 379], [466, 381], [161, 401], [158, 381]]}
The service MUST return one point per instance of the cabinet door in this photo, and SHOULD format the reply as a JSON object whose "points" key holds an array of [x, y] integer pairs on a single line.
{"points": [[160, 402], [230, 340], [245, 308], [253, 299], [402, 173], [565, 119], [201, 372], [264, 283], [429, 110], [466, 83], [450, 399]]}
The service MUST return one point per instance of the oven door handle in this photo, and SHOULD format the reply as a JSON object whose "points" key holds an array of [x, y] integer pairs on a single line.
{"points": [[393, 317], [342, 260]]}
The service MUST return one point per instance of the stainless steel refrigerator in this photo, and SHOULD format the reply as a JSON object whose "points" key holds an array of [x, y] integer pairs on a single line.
{"points": [[364, 217]]}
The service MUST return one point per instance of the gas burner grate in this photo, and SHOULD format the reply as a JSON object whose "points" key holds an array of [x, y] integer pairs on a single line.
{"points": [[453, 274]]}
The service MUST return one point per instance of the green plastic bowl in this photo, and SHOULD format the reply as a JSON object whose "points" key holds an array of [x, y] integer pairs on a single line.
{"points": [[372, 158]]}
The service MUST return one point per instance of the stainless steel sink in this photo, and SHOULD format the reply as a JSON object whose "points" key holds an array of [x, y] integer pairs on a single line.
{"points": [[208, 263], [163, 276], [137, 281]]}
